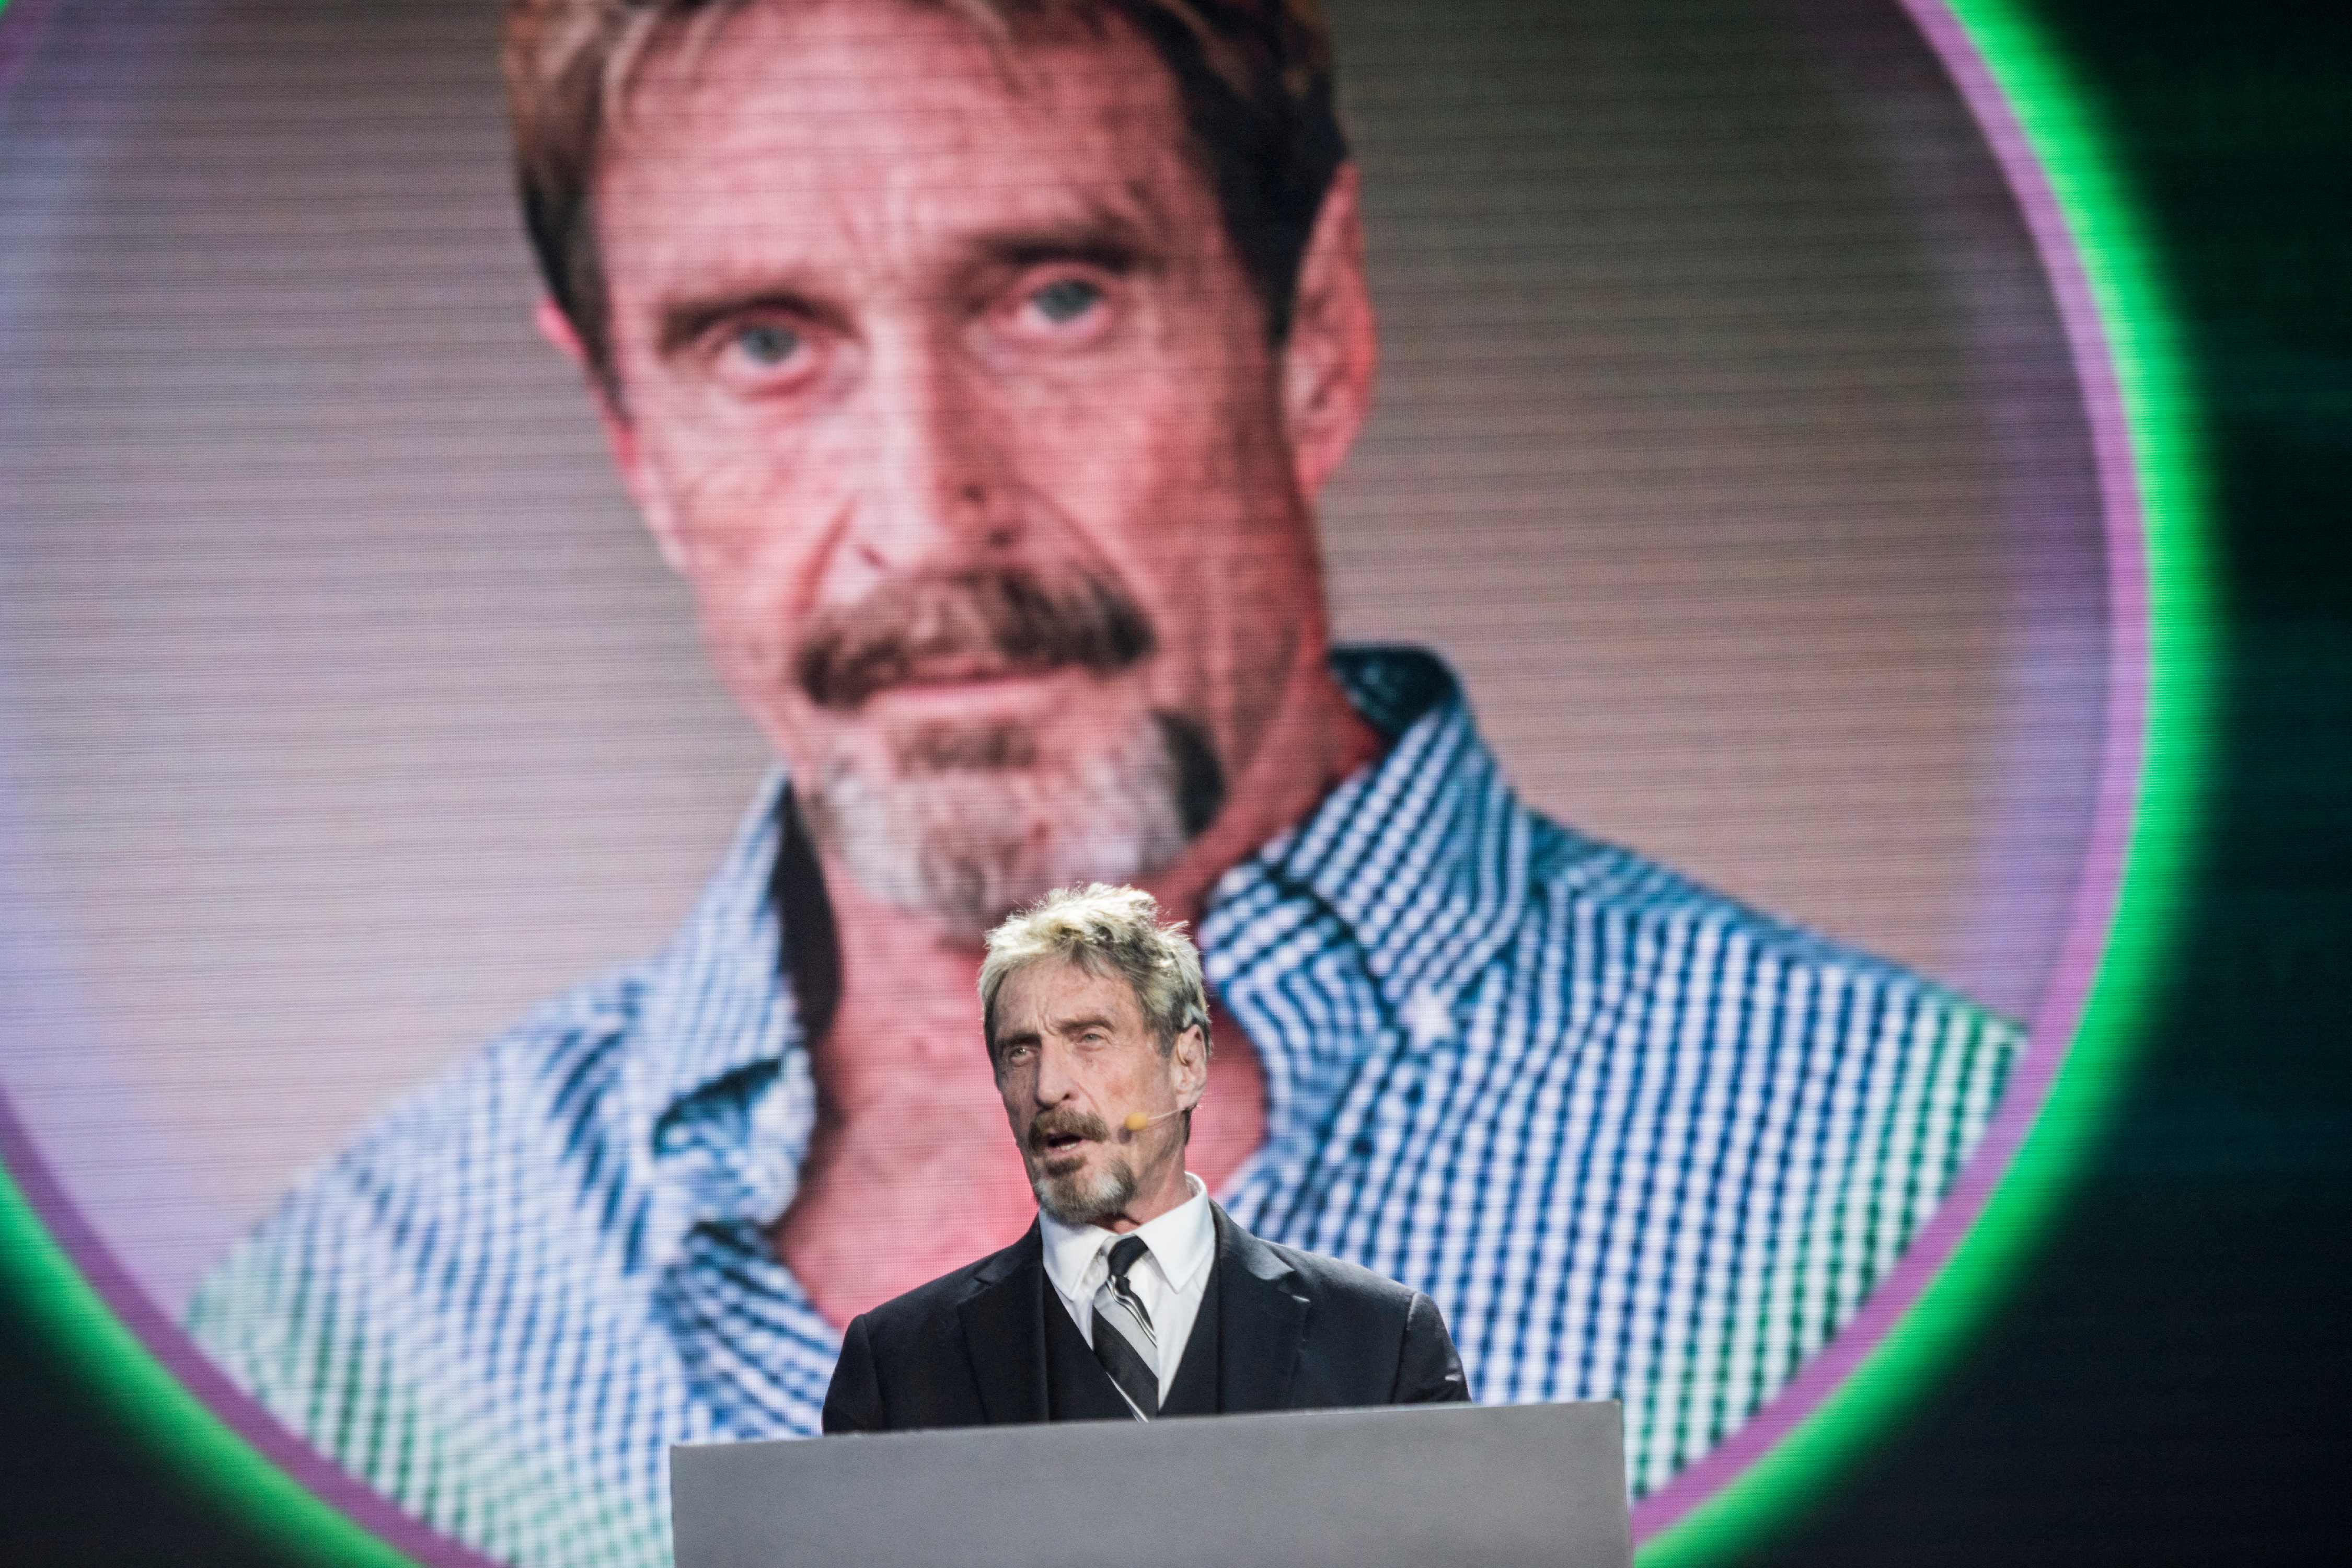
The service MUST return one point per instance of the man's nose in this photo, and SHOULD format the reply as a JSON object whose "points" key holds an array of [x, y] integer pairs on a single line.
{"points": [[1055, 1083], [934, 487]]}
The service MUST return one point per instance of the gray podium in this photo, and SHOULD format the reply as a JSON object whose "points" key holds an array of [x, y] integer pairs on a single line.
{"points": [[1423, 1485]]}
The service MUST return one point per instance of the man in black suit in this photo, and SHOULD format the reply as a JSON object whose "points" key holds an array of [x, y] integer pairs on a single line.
{"points": [[1133, 1295]]}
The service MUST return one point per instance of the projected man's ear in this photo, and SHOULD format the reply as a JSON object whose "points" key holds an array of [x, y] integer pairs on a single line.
{"points": [[1332, 347]]}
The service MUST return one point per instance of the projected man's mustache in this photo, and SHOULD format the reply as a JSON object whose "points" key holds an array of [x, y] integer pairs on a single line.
{"points": [[976, 625]]}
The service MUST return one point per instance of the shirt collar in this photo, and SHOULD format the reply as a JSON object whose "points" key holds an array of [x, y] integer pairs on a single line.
{"points": [[1412, 874], [1413, 853], [721, 1027], [1181, 1241]]}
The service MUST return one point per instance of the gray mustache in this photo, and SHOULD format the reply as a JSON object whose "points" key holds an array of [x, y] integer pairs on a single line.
{"points": [[1002, 621], [1077, 1123]]}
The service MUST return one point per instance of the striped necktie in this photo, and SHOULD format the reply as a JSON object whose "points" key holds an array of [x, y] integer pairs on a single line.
{"points": [[1124, 1341]]}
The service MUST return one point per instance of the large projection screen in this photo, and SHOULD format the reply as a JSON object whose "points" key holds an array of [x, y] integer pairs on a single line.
{"points": [[1741, 441]]}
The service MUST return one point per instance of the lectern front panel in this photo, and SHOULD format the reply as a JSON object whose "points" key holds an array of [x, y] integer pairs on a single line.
{"points": [[1527, 1485]]}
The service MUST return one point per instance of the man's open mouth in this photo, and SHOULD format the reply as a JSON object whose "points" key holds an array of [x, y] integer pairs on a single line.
{"points": [[1059, 1135]]}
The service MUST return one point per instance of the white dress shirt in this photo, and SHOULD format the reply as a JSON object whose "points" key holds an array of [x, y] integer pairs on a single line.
{"points": [[1171, 1277]]}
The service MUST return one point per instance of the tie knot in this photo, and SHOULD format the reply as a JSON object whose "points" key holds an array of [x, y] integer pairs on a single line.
{"points": [[1125, 1254]]}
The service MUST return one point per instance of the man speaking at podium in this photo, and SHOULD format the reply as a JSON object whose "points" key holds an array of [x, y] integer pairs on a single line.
{"points": [[1098, 1027]]}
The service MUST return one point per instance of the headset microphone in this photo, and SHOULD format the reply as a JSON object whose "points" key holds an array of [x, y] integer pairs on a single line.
{"points": [[1137, 1122]]}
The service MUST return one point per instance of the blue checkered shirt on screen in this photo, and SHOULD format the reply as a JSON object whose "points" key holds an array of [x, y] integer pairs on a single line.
{"points": [[1638, 1142]]}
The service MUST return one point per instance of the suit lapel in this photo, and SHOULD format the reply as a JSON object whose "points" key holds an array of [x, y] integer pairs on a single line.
{"points": [[1005, 1333], [1262, 1321]]}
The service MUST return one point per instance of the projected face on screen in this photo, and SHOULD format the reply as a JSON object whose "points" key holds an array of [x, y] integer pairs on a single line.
{"points": [[933, 368], [1646, 785]]}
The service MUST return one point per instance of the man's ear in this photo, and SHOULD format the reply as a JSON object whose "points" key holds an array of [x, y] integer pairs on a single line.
{"points": [[620, 431], [1190, 1059], [1333, 349]]}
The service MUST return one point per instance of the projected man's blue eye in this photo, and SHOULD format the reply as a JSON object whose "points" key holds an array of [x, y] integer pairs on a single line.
{"points": [[1065, 301], [767, 344]]}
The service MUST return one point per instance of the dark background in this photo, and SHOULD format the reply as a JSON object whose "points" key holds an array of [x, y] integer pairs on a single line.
{"points": [[2168, 1385]]}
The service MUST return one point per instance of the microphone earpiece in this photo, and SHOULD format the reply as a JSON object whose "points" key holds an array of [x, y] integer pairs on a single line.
{"points": [[1137, 1122]]}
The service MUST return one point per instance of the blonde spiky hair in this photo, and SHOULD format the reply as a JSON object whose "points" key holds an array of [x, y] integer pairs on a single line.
{"points": [[1104, 931]]}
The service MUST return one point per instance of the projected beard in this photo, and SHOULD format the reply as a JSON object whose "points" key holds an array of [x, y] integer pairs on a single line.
{"points": [[966, 820]]}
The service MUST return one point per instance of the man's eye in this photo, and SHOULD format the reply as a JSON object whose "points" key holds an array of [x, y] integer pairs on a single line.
{"points": [[767, 344], [1065, 299]]}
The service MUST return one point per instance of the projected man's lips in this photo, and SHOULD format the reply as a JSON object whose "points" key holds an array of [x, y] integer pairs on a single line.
{"points": [[988, 681], [967, 670], [951, 673]]}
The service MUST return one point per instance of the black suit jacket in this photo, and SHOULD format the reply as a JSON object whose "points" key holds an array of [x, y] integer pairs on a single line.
{"points": [[1295, 1331]]}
